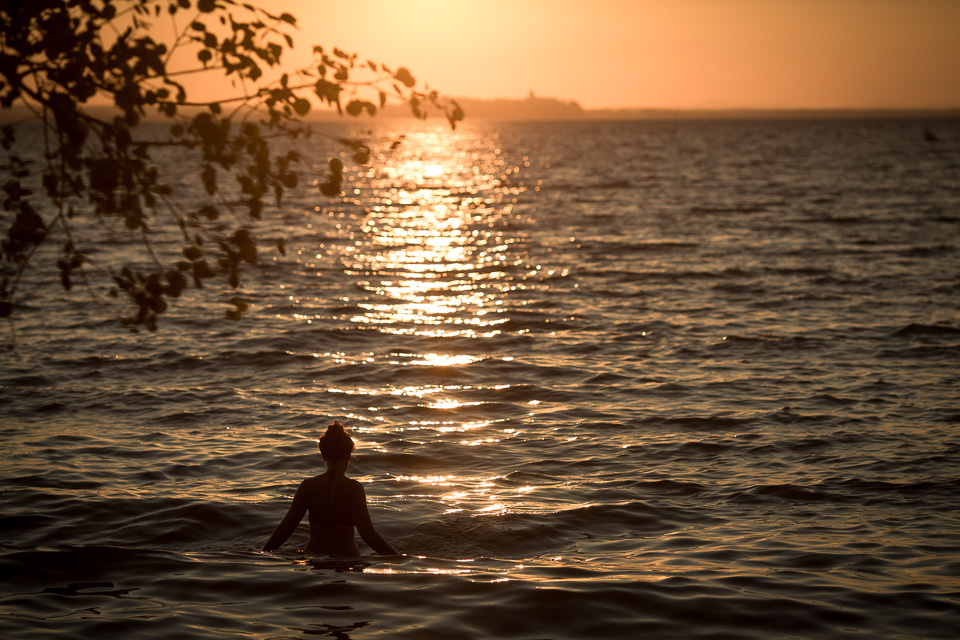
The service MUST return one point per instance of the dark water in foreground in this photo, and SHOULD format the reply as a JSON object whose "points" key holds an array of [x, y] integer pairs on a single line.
{"points": [[610, 380]]}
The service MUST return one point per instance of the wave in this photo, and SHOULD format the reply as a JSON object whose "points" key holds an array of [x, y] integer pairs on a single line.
{"points": [[948, 353], [699, 423], [855, 491], [200, 594], [737, 208], [520, 535], [43, 519], [912, 330]]}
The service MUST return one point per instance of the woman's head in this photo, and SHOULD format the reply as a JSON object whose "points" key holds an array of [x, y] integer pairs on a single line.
{"points": [[335, 443]]}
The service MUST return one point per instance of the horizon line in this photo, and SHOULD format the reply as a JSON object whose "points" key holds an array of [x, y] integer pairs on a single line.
{"points": [[571, 110]]}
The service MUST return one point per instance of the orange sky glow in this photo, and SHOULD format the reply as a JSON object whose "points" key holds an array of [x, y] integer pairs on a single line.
{"points": [[684, 54]]}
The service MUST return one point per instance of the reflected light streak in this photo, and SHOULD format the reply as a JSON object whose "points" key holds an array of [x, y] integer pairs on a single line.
{"points": [[448, 403], [495, 508], [431, 250], [478, 495], [445, 360], [465, 427]]}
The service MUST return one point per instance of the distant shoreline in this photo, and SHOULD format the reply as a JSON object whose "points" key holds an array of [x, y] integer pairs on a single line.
{"points": [[767, 114], [548, 109], [551, 109]]}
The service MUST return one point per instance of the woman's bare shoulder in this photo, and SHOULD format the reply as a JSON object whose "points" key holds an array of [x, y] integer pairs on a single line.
{"points": [[355, 489], [309, 483]]}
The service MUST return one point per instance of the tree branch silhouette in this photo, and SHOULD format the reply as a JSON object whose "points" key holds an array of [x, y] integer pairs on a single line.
{"points": [[61, 58]]}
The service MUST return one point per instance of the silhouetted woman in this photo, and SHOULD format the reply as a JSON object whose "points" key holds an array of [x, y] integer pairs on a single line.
{"points": [[335, 502]]}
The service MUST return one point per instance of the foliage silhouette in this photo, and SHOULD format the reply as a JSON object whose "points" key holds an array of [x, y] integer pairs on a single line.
{"points": [[61, 58]]}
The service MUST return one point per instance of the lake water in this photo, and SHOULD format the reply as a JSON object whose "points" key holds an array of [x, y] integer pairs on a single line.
{"points": [[667, 379]]}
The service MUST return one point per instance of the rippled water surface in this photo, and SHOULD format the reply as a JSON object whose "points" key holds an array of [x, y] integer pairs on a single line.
{"points": [[609, 380]]}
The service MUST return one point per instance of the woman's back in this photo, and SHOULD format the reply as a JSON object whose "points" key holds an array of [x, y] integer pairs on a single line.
{"points": [[336, 505], [330, 501]]}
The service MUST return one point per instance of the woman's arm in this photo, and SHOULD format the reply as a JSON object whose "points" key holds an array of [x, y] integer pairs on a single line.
{"points": [[290, 521], [365, 525]]}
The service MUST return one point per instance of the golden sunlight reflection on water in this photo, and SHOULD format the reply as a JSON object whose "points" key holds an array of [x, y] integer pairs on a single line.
{"points": [[479, 495], [433, 247], [430, 247]]}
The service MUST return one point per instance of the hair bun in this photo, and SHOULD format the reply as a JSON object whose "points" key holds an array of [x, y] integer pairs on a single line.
{"points": [[336, 443]]}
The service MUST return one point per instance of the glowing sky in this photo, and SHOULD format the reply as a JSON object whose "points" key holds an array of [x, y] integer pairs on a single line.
{"points": [[659, 53]]}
